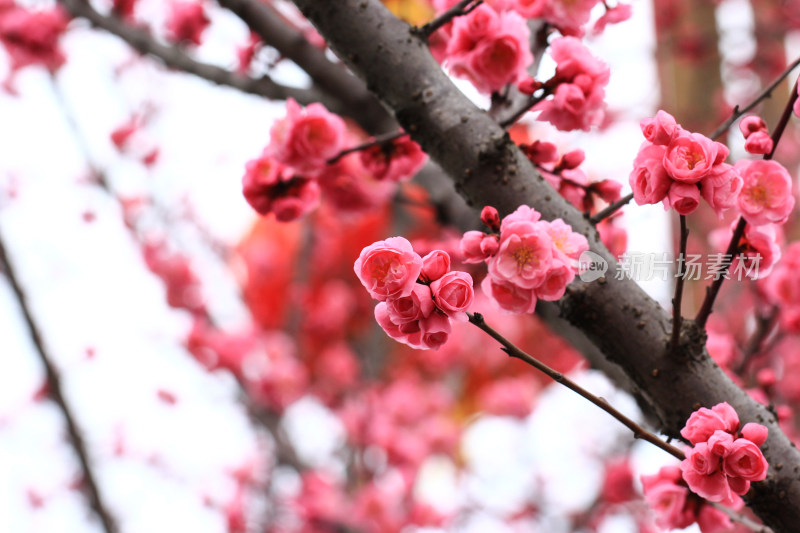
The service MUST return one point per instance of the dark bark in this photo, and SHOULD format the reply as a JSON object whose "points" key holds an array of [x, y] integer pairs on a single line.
{"points": [[487, 169]]}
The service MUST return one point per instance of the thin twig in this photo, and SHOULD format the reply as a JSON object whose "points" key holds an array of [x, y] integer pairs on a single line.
{"points": [[611, 209], [532, 101], [176, 58], [711, 292], [766, 93], [377, 141], [512, 350], [676, 300], [784, 120], [56, 393], [457, 10], [741, 519]]}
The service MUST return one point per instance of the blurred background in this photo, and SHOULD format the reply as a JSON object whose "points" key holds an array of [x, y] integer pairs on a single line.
{"points": [[224, 370]]}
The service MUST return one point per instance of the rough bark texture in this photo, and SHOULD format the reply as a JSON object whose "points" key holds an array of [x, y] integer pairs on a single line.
{"points": [[487, 169]]}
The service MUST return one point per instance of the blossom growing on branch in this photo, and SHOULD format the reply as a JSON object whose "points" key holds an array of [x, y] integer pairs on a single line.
{"points": [[580, 81], [677, 167], [532, 259], [418, 296], [186, 22], [724, 459]]}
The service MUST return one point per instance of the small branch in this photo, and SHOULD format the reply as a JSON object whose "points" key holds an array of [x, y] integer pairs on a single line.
{"points": [[56, 393], [766, 93], [345, 93], [512, 350], [377, 141], [784, 120], [676, 300], [764, 326], [741, 519], [458, 10], [174, 57], [712, 291], [532, 101], [611, 209]]}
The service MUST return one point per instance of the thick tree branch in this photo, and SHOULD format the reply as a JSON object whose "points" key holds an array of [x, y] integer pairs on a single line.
{"points": [[89, 481], [631, 328], [174, 57]]}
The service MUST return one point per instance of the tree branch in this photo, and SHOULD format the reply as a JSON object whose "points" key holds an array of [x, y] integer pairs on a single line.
{"points": [[630, 327], [56, 393], [763, 95], [173, 57], [513, 351], [351, 94]]}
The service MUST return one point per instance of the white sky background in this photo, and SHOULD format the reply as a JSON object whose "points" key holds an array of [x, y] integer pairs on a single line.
{"points": [[89, 288]]}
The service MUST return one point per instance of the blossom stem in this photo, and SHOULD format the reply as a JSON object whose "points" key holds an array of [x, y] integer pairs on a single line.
{"points": [[513, 351], [458, 10], [611, 209], [377, 141], [532, 101], [712, 291], [784, 120], [763, 95], [677, 319], [741, 519]]}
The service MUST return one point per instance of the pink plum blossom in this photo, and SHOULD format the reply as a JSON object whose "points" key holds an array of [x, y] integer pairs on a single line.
{"points": [[453, 293], [186, 21], [305, 139], [388, 269], [578, 101], [270, 187], [766, 194], [398, 160]]}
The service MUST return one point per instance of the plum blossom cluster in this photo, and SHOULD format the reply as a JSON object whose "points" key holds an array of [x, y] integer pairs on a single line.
{"points": [[677, 167], [490, 46], [676, 507], [418, 295], [756, 135], [302, 160], [31, 36], [724, 460], [578, 87], [565, 176], [528, 258]]}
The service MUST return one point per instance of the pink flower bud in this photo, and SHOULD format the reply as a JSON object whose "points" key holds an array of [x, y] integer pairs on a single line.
{"points": [[759, 143], [683, 197], [435, 265], [489, 245], [541, 152], [746, 461], [491, 218], [453, 293], [435, 330], [609, 190], [572, 159], [529, 86], [752, 124], [661, 129], [472, 247], [756, 433]]}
